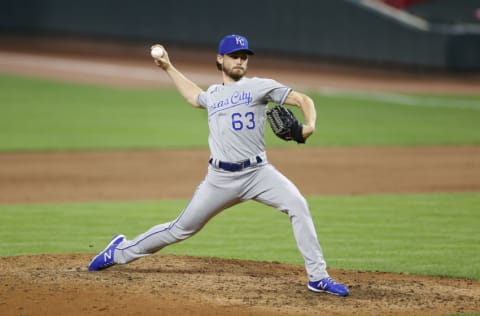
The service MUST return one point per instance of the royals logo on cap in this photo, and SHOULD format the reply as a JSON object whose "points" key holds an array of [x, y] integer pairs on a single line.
{"points": [[233, 43]]}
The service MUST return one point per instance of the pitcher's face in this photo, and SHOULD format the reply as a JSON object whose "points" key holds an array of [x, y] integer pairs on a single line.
{"points": [[235, 65]]}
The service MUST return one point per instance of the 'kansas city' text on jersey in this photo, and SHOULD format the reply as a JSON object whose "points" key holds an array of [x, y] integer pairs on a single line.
{"points": [[236, 116]]}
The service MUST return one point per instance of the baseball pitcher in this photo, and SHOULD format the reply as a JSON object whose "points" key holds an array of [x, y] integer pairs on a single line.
{"points": [[238, 168]]}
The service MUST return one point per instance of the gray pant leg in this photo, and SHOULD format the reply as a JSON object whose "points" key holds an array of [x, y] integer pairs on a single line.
{"points": [[207, 201], [278, 191]]}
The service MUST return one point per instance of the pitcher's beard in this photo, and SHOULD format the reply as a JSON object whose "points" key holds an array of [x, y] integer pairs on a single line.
{"points": [[235, 73]]}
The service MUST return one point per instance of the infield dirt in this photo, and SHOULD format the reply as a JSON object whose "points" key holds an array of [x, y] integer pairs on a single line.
{"points": [[182, 285]]}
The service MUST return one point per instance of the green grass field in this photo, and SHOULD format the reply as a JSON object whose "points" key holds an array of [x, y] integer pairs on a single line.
{"points": [[44, 115], [432, 234]]}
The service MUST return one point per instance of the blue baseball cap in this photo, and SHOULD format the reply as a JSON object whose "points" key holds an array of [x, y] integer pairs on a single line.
{"points": [[234, 43]]}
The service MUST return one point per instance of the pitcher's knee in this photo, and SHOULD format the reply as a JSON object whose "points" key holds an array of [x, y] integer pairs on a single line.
{"points": [[297, 204], [180, 233]]}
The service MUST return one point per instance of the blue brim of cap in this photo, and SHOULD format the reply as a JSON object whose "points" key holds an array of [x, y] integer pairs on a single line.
{"points": [[250, 52]]}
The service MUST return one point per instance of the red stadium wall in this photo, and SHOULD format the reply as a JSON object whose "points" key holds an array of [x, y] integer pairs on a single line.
{"points": [[401, 4]]}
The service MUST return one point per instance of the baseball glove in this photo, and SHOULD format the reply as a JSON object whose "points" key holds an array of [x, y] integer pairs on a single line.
{"points": [[284, 124]]}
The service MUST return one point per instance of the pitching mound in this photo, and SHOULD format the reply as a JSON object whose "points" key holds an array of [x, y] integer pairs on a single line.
{"points": [[179, 285]]}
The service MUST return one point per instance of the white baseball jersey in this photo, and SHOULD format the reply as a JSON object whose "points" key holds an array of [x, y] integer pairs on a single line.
{"points": [[236, 116]]}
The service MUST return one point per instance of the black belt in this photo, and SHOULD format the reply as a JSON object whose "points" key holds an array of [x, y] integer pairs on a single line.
{"points": [[235, 166]]}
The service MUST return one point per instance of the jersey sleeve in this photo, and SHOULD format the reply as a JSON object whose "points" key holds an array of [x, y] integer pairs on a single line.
{"points": [[273, 90], [202, 99]]}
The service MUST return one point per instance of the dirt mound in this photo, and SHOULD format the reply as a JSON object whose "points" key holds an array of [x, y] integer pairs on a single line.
{"points": [[180, 285]]}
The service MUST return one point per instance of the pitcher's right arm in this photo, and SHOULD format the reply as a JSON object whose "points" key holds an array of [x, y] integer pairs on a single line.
{"points": [[187, 88]]}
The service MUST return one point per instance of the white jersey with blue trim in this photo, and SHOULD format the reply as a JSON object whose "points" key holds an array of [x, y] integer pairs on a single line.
{"points": [[236, 116]]}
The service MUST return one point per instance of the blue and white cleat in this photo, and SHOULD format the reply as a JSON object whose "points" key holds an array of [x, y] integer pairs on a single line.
{"points": [[105, 258], [329, 286]]}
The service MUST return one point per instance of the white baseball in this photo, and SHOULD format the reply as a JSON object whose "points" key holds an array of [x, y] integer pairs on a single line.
{"points": [[157, 52]]}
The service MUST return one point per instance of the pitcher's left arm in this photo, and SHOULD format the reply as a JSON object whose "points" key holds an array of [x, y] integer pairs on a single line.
{"points": [[305, 103]]}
